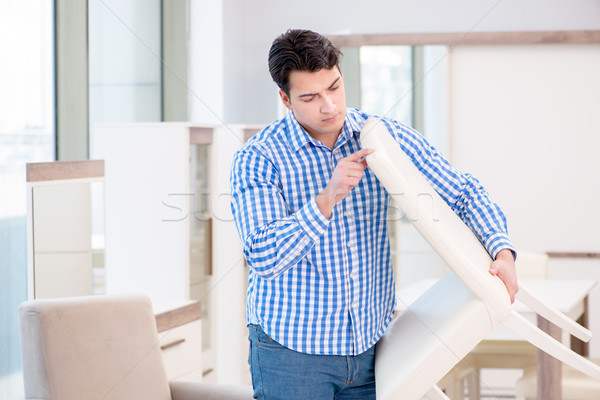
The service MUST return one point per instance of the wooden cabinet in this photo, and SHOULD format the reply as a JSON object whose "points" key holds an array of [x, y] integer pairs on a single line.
{"points": [[65, 232], [180, 333]]}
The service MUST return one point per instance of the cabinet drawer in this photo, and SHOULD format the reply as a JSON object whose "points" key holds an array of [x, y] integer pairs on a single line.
{"points": [[182, 349]]}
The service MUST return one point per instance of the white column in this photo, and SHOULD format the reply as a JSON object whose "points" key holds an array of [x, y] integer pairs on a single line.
{"points": [[205, 68], [228, 263]]}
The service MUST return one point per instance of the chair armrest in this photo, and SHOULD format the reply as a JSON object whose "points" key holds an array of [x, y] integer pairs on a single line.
{"points": [[196, 390]]}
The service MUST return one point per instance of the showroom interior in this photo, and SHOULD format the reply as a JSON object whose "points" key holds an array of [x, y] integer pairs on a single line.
{"points": [[119, 121]]}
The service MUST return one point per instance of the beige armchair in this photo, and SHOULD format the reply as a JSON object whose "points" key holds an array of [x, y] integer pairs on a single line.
{"points": [[101, 347]]}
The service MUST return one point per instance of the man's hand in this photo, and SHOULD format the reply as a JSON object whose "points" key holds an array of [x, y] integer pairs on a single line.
{"points": [[345, 177], [504, 268]]}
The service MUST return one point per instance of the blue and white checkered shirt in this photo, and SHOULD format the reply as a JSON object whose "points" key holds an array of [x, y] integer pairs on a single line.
{"points": [[326, 286]]}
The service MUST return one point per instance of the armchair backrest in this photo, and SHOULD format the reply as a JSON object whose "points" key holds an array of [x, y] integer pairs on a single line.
{"points": [[92, 347]]}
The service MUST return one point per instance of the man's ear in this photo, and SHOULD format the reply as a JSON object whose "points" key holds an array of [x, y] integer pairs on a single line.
{"points": [[285, 99]]}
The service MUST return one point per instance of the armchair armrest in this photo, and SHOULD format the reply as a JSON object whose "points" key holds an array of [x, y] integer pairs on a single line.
{"points": [[196, 390]]}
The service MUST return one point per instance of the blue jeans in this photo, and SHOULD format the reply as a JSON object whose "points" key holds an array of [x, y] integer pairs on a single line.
{"points": [[281, 373]]}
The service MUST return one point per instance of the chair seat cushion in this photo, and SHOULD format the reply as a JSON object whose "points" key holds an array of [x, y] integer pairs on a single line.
{"points": [[428, 339]]}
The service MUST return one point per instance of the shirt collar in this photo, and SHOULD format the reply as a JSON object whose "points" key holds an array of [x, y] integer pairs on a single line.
{"points": [[298, 137]]}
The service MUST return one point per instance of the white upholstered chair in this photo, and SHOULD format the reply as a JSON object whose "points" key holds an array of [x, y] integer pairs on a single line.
{"points": [[441, 327], [101, 347]]}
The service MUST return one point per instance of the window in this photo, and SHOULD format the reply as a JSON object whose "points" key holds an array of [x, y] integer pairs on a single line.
{"points": [[125, 61], [379, 80], [386, 81], [27, 134]]}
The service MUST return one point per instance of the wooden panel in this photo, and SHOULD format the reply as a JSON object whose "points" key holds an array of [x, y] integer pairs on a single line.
{"points": [[201, 135], [467, 38], [567, 254], [60, 170], [177, 317]]}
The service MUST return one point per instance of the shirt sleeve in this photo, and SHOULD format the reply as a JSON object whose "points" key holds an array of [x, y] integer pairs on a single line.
{"points": [[462, 192], [274, 239]]}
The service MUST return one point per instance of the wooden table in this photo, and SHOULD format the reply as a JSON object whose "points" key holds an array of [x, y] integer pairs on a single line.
{"points": [[567, 296]]}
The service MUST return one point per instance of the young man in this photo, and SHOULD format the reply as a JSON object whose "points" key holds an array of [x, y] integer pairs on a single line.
{"points": [[313, 221]]}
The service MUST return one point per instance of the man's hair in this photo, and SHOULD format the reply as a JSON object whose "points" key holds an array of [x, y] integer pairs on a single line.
{"points": [[300, 50]]}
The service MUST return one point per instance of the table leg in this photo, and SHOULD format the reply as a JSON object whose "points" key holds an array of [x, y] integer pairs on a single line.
{"points": [[549, 369], [579, 346]]}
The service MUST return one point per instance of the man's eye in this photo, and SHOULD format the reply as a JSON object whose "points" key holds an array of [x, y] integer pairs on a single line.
{"points": [[307, 99], [334, 88]]}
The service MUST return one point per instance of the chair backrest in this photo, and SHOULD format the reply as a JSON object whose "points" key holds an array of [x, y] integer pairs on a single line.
{"points": [[92, 347], [447, 234]]}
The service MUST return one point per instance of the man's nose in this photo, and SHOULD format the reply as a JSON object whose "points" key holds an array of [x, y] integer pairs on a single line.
{"points": [[328, 105]]}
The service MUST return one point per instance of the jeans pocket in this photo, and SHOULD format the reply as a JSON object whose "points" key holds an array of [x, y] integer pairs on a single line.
{"points": [[265, 341], [262, 339]]}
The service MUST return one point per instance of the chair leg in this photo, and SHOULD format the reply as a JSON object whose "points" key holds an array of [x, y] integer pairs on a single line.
{"points": [[473, 385], [522, 327], [456, 390], [552, 315]]}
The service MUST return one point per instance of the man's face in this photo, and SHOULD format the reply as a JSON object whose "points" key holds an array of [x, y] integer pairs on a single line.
{"points": [[318, 101]]}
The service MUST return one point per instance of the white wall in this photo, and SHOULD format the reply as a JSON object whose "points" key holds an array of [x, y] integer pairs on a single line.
{"points": [[205, 58], [524, 120], [250, 95]]}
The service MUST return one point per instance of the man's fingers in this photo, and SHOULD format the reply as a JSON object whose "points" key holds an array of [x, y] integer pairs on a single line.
{"points": [[363, 162], [359, 154], [511, 286]]}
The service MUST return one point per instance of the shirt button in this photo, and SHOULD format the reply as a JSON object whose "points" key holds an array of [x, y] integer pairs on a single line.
{"points": [[351, 276], [349, 244], [321, 231], [354, 305], [346, 213]]}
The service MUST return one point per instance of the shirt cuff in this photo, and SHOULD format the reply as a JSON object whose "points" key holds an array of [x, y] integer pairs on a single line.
{"points": [[312, 220], [497, 242]]}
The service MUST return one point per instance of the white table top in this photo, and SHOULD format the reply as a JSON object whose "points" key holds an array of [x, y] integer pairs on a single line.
{"points": [[567, 296]]}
